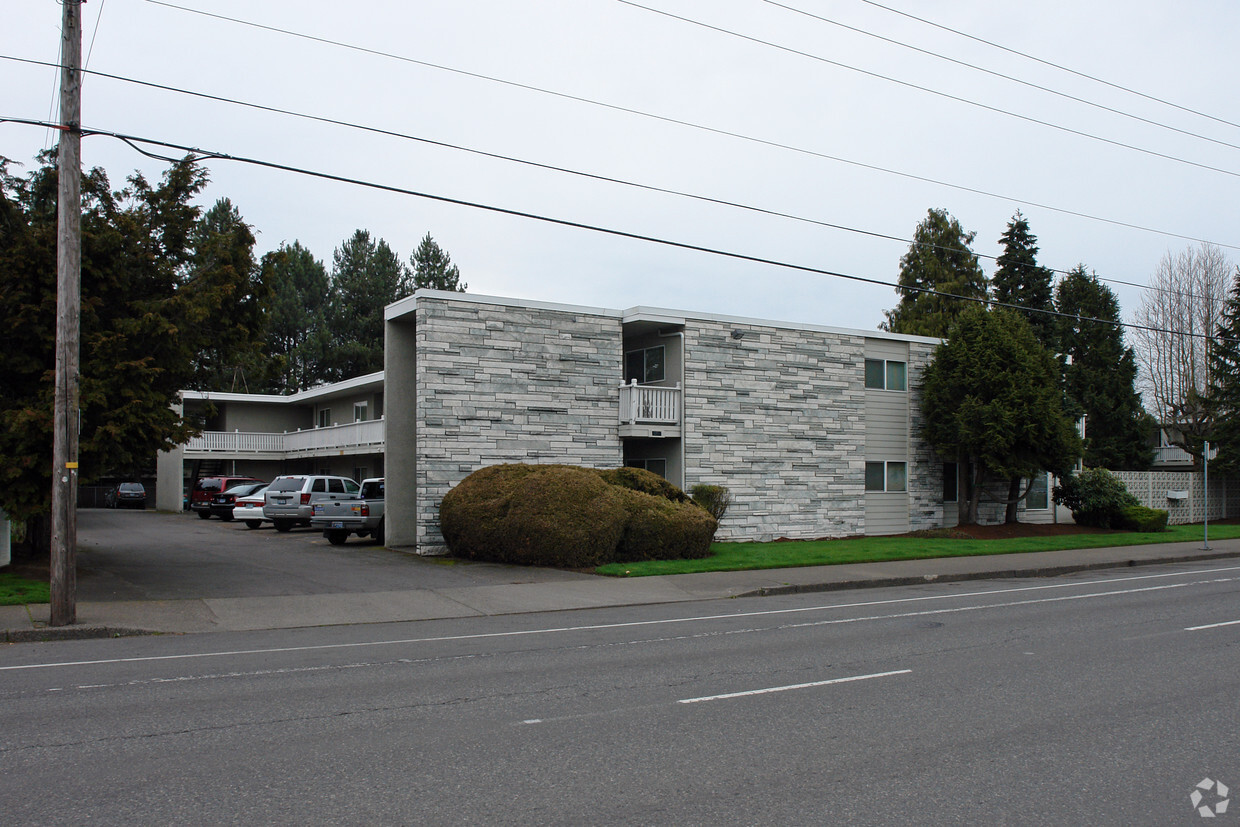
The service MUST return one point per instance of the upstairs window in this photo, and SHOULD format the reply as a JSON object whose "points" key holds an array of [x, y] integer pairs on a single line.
{"points": [[886, 375], [325, 417], [359, 411], [645, 365]]}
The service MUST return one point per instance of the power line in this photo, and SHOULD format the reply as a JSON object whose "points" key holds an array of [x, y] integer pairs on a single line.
{"points": [[910, 85], [554, 168], [1001, 75], [197, 154], [1052, 65], [689, 124]]}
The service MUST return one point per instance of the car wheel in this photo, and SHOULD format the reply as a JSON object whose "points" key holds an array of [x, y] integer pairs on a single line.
{"points": [[336, 538], [283, 526], [253, 523], [204, 515], [379, 532]]}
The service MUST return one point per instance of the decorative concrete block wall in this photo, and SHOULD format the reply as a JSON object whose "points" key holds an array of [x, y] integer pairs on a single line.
{"points": [[1151, 489], [510, 383], [777, 416]]}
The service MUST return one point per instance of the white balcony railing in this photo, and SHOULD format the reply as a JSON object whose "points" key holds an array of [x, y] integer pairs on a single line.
{"points": [[1175, 455], [649, 404], [335, 438]]}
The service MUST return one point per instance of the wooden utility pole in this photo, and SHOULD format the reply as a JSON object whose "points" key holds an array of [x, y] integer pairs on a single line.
{"points": [[68, 320]]}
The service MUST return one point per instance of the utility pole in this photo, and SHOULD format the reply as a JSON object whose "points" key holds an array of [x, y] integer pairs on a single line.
{"points": [[68, 320]]}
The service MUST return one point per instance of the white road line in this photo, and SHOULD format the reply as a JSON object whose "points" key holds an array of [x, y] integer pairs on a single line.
{"points": [[771, 689], [1212, 626], [628, 624]]}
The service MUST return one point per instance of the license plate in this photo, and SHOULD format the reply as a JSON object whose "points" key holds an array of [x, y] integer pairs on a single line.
{"points": [[337, 524]]}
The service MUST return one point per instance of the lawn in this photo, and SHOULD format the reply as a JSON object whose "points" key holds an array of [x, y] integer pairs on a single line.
{"points": [[789, 554], [18, 591]]}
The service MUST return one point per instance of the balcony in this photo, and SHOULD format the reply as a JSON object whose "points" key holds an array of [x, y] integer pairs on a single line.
{"points": [[351, 438], [650, 411], [1169, 456]]}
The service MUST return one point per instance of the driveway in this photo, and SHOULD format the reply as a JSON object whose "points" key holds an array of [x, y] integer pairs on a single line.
{"points": [[146, 555]]}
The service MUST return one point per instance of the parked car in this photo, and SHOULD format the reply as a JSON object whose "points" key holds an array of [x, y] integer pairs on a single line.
{"points": [[207, 487], [291, 499], [125, 495], [362, 516], [223, 503], [249, 509]]}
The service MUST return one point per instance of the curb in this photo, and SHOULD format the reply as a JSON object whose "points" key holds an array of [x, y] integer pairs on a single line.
{"points": [[50, 633], [1046, 571]]}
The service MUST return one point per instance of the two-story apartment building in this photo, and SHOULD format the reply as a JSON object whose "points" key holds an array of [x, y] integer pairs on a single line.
{"points": [[813, 429]]}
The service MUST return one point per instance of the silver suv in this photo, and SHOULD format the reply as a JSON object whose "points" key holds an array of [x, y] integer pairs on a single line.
{"points": [[289, 500]]}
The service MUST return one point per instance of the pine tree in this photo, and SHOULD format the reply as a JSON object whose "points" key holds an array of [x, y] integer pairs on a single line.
{"points": [[296, 329], [1225, 389], [1100, 374], [939, 259], [366, 277], [433, 267], [1019, 281]]}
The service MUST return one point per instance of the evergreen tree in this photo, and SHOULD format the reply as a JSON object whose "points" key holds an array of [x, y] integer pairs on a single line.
{"points": [[992, 402], [148, 300], [939, 259], [366, 277], [433, 267], [1100, 375], [1225, 390], [297, 326], [1019, 281]]}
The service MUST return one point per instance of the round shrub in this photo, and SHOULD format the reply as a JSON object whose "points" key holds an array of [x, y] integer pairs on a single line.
{"points": [[1096, 496], [560, 515], [540, 515], [714, 498], [1140, 518]]}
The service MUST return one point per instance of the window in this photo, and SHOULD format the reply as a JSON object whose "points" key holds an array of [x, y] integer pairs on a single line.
{"points": [[884, 375], [335, 486], [359, 411], [886, 476], [644, 365], [951, 482], [319, 486], [654, 466], [1038, 493], [325, 417]]}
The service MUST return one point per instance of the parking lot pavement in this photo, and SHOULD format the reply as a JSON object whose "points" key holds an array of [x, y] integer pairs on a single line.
{"points": [[146, 555]]}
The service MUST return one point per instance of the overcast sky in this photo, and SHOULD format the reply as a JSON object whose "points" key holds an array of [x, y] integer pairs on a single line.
{"points": [[797, 124]]}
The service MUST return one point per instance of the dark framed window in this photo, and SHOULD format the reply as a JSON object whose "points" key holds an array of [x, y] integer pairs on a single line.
{"points": [[1039, 494], [886, 375], [654, 466], [891, 477], [645, 365], [951, 482]]}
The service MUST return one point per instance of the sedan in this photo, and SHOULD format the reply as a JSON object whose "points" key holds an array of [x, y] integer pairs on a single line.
{"points": [[126, 495], [249, 509], [224, 503]]}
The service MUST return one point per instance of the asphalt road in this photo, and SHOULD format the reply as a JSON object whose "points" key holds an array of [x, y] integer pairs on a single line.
{"points": [[1093, 699]]}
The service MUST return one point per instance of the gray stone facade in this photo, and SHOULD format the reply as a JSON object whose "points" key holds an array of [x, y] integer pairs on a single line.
{"points": [[777, 416], [498, 384], [925, 471]]}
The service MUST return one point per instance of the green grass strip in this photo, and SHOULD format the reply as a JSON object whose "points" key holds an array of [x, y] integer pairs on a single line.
{"points": [[18, 591], [785, 554]]}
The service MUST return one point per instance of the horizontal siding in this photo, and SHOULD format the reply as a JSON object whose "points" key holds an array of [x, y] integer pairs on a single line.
{"points": [[886, 513], [886, 349], [886, 425]]}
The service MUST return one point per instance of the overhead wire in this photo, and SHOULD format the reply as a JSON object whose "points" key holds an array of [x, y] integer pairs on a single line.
{"points": [[929, 90], [1001, 75], [554, 168], [197, 154], [1053, 65]]}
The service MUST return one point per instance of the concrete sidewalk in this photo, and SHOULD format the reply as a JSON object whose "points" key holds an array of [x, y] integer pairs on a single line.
{"points": [[537, 590]]}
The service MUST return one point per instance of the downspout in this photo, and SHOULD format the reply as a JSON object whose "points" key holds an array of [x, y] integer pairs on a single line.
{"points": [[684, 428]]}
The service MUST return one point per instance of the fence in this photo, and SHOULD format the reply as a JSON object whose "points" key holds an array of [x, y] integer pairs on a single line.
{"points": [[1182, 494]]}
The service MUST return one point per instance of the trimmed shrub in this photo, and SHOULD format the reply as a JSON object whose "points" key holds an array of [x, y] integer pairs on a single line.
{"points": [[1140, 518], [1096, 497], [561, 515], [714, 498], [660, 529]]}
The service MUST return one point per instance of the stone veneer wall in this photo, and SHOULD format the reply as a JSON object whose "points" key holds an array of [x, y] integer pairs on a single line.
{"points": [[925, 471], [503, 384], [777, 416]]}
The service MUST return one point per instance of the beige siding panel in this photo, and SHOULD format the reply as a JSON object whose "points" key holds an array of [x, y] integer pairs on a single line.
{"points": [[886, 349], [886, 425], [886, 513]]}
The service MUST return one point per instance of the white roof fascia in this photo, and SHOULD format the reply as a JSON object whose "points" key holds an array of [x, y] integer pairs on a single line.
{"points": [[406, 306], [299, 398]]}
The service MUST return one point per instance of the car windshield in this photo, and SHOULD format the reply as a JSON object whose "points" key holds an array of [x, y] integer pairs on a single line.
{"points": [[287, 484], [208, 485], [132, 487], [372, 490], [243, 489]]}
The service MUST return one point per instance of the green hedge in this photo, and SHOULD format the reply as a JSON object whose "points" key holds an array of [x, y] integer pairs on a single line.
{"points": [[1140, 518]]}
